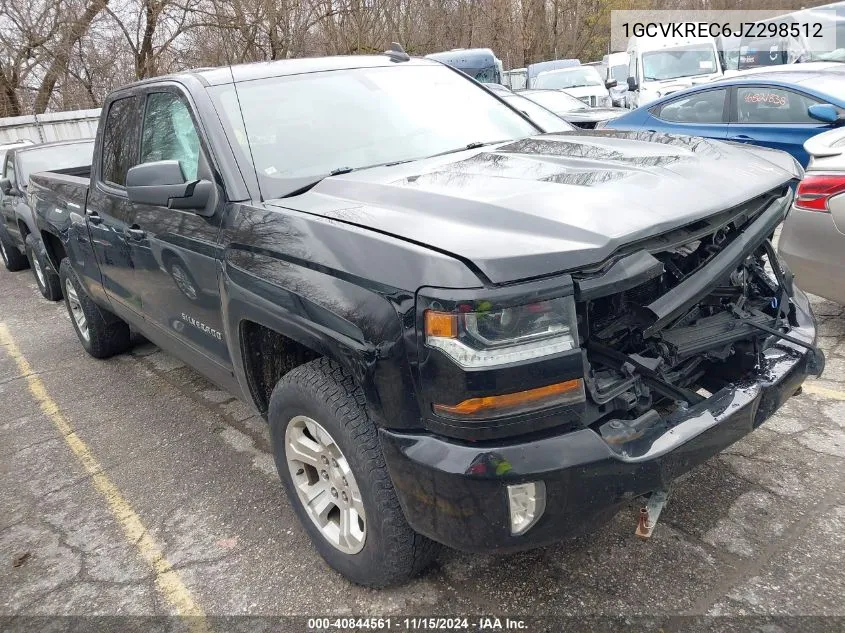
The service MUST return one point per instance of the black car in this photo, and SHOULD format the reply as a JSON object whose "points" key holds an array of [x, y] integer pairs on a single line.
{"points": [[461, 329]]}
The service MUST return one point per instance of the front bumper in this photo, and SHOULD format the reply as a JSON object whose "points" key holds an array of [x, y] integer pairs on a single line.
{"points": [[455, 493]]}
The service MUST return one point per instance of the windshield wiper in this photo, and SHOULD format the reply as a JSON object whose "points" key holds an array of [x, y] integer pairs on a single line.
{"points": [[473, 145], [310, 184]]}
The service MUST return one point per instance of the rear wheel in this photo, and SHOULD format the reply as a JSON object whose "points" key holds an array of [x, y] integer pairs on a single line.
{"points": [[330, 461], [48, 281], [11, 256], [101, 333]]}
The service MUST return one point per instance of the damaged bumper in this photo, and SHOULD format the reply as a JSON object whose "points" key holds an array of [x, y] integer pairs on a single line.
{"points": [[457, 493]]}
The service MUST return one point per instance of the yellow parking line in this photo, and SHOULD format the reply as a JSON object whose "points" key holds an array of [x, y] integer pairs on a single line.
{"points": [[167, 579], [818, 390]]}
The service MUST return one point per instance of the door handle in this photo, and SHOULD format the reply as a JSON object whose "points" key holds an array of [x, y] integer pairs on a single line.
{"points": [[93, 217], [135, 233]]}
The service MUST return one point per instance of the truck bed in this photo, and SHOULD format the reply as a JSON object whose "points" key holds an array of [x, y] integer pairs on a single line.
{"points": [[55, 196]]}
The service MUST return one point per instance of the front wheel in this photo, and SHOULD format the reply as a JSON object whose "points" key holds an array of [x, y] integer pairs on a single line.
{"points": [[48, 281], [330, 461], [101, 333]]}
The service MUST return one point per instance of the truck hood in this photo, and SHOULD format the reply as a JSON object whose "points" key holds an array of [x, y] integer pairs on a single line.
{"points": [[547, 204]]}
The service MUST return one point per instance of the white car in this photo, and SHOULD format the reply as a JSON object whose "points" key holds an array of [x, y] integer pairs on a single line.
{"points": [[582, 82]]}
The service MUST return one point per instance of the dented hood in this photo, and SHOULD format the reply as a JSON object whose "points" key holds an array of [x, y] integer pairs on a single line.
{"points": [[551, 203]]}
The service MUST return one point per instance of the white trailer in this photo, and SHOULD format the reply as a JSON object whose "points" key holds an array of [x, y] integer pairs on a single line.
{"points": [[52, 126]]}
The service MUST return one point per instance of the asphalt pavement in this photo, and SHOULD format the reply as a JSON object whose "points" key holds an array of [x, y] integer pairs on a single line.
{"points": [[134, 487]]}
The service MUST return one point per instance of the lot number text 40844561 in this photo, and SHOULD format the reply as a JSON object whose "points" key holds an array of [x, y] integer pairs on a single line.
{"points": [[480, 623]]}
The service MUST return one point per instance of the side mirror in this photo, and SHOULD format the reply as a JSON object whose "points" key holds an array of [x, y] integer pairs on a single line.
{"points": [[5, 186], [632, 84], [824, 112], [610, 83], [162, 184]]}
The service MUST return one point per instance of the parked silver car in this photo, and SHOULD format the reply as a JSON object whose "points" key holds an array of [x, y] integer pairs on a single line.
{"points": [[813, 238]]}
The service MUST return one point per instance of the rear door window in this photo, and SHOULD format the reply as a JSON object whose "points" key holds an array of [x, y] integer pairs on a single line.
{"points": [[701, 107], [120, 141], [764, 104]]}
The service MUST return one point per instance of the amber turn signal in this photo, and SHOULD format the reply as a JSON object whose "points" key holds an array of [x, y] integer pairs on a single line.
{"points": [[490, 406], [441, 324]]}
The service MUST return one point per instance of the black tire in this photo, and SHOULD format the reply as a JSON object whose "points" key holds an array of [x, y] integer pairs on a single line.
{"points": [[9, 253], [107, 335], [48, 280], [321, 390]]}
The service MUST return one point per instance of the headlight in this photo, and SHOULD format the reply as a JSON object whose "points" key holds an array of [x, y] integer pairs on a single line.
{"points": [[607, 102], [484, 336]]}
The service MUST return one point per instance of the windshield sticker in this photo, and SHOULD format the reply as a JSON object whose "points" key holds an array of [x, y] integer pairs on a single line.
{"points": [[706, 64], [772, 98]]}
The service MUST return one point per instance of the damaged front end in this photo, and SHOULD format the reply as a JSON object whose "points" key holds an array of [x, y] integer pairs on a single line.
{"points": [[674, 320]]}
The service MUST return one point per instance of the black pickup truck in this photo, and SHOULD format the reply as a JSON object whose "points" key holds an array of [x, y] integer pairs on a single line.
{"points": [[461, 330], [20, 244]]}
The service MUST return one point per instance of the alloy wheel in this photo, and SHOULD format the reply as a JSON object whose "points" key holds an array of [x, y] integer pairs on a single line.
{"points": [[76, 310], [325, 484], [39, 272]]}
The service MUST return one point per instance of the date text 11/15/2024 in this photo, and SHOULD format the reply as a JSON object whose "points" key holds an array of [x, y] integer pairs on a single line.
{"points": [[477, 623]]}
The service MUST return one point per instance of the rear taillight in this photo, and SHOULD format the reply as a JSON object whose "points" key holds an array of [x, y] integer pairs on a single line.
{"points": [[816, 189]]}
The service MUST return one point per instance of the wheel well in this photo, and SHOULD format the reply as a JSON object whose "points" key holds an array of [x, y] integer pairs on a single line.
{"points": [[268, 356], [55, 249]]}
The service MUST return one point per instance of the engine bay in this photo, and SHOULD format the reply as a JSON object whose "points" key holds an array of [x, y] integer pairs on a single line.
{"points": [[689, 319]]}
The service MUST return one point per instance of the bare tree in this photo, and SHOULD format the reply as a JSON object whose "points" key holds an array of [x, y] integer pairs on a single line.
{"points": [[70, 32], [71, 53]]}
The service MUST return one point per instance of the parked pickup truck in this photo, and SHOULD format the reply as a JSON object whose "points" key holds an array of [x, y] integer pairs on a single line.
{"points": [[460, 330], [20, 243]]}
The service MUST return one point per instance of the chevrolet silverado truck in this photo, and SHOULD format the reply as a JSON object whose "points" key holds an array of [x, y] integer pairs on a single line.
{"points": [[461, 330], [20, 242]]}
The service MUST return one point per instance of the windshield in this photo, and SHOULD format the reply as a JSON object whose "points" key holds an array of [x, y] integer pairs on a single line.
{"points": [[619, 73], [556, 101], [55, 158], [302, 127], [569, 78], [489, 75], [546, 119], [679, 62]]}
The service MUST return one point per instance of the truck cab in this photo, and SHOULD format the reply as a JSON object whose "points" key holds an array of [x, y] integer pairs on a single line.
{"points": [[659, 66], [616, 69]]}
